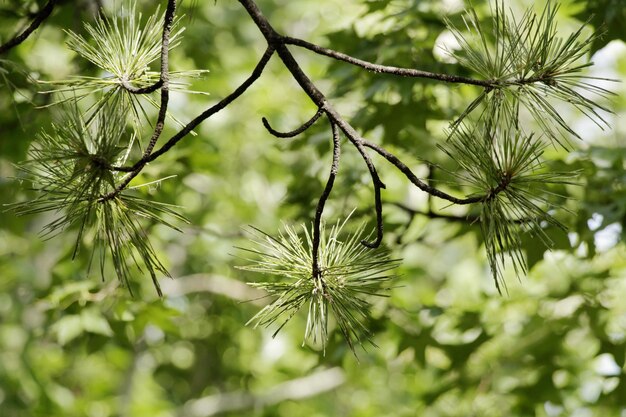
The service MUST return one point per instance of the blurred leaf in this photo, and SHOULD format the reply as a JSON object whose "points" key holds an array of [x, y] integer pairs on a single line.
{"points": [[68, 328], [607, 16], [93, 322]]}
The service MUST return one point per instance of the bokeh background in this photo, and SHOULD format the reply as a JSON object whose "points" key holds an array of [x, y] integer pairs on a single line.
{"points": [[74, 344]]}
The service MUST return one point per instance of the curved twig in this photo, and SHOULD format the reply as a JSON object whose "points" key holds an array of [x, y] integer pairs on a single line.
{"points": [[294, 132], [125, 83], [403, 72], [334, 168], [38, 19], [416, 181], [378, 205], [359, 143]]}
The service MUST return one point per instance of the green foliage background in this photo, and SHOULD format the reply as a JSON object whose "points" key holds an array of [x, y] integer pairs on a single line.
{"points": [[449, 345]]}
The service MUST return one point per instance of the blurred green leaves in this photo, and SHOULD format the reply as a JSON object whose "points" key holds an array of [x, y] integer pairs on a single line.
{"points": [[71, 326], [607, 17]]}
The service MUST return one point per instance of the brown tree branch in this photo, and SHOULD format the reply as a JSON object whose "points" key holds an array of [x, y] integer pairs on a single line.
{"points": [[385, 69], [395, 161], [471, 219], [38, 19], [334, 168], [165, 76]]}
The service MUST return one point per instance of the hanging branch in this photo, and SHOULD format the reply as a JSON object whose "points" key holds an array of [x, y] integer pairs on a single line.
{"points": [[38, 19], [334, 168], [296, 131]]}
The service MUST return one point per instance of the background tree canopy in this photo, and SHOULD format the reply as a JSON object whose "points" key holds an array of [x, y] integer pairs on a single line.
{"points": [[74, 344]]}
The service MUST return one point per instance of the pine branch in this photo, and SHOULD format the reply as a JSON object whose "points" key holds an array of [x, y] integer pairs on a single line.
{"points": [[347, 274], [385, 69], [522, 64]]}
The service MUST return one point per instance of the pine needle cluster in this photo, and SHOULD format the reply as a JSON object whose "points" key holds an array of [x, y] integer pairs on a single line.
{"points": [[349, 273], [70, 169], [529, 64], [531, 70], [124, 50], [505, 165]]}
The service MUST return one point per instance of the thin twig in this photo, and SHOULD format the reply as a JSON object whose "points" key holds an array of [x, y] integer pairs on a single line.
{"points": [[416, 181], [38, 19], [294, 132], [434, 215], [334, 168], [165, 76], [403, 72], [359, 143], [471, 219]]}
